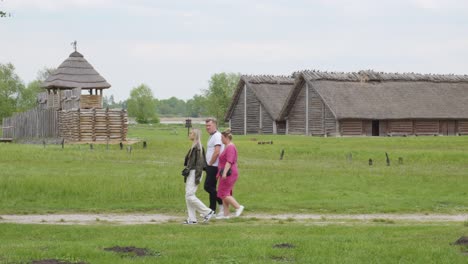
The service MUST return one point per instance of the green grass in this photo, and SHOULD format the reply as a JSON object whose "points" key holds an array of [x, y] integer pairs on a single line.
{"points": [[315, 175], [245, 242]]}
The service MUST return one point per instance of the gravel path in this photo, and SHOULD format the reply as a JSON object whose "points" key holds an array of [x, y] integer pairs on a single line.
{"points": [[135, 219]]}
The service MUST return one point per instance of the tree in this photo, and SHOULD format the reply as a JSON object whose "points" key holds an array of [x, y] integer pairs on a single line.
{"points": [[196, 107], [171, 107], [142, 105], [11, 87], [219, 94], [27, 99], [4, 14]]}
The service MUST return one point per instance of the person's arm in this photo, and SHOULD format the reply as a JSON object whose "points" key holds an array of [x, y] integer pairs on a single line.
{"points": [[215, 155]]}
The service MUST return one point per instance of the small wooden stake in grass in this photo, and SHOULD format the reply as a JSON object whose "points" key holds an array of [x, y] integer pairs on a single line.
{"points": [[63, 143], [282, 154], [91, 146], [350, 157], [388, 159], [370, 162], [400, 160], [144, 144], [43, 143], [121, 145]]}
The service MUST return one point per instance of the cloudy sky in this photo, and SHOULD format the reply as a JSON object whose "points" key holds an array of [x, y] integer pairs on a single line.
{"points": [[175, 46]]}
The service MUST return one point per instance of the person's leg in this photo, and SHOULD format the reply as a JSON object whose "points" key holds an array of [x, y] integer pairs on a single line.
{"points": [[196, 204], [230, 200], [210, 186], [190, 189], [226, 208]]}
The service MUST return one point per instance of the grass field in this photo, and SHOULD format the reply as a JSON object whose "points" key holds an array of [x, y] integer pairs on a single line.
{"points": [[236, 242], [316, 175]]}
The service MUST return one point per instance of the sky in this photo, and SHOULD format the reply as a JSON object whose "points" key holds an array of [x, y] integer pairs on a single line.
{"points": [[175, 46]]}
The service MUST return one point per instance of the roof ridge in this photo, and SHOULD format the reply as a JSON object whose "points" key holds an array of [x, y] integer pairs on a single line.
{"points": [[371, 75]]}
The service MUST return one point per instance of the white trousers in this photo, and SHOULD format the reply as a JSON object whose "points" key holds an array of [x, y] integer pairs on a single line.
{"points": [[193, 203]]}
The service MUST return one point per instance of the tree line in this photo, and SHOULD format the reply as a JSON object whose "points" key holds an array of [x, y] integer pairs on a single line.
{"points": [[15, 96]]}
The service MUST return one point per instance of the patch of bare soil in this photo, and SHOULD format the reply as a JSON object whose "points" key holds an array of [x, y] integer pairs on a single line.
{"points": [[284, 245], [133, 251], [282, 259], [462, 241], [54, 261]]}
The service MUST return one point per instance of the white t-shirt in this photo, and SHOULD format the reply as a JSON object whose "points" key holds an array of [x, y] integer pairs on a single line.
{"points": [[213, 141]]}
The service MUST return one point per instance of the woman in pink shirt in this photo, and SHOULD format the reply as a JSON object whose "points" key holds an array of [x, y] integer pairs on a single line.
{"points": [[228, 174]]}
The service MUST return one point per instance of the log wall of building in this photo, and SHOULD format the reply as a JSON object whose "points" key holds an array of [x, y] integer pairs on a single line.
{"points": [[267, 121], [297, 115], [237, 117], [90, 101], [316, 114], [93, 125], [253, 113]]}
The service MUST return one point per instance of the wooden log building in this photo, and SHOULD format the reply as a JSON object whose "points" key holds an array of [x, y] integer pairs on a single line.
{"points": [[74, 94], [256, 104], [369, 103]]}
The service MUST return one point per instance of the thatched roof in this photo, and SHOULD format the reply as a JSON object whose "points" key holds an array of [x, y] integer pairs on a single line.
{"points": [[270, 90], [75, 72], [372, 95]]}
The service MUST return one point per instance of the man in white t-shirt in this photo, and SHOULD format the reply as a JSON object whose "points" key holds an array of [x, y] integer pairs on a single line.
{"points": [[213, 149]]}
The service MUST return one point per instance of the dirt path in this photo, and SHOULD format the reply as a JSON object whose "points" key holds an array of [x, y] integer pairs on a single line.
{"points": [[135, 219]]}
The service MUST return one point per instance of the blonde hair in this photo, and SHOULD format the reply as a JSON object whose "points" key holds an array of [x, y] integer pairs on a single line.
{"points": [[197, 137], [227, 133]]}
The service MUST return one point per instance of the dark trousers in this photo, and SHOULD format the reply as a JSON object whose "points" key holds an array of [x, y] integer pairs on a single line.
{"points": [[210, 186]]}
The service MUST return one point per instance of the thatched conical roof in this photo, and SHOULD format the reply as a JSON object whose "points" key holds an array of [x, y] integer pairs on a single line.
{"points": [[75, 72]]}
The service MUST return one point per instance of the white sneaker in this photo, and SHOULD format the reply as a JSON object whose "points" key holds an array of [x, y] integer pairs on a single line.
{"points": [[220, 210], [208, 216], [239, 211]]}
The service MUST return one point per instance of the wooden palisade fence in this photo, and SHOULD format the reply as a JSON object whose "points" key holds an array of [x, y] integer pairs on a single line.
{"points": [[35, 123]]}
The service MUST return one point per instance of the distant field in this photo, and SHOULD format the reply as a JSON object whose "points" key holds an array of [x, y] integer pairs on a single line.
{"points": [[316, 175]]}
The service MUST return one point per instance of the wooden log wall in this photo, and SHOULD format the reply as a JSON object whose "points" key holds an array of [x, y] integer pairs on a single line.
{"points": [[426, 127], [91, 101], [237, 117], [351, 128], [253, 113], [316, 114], [330, 122], [54, 99], [94, 125], [267, 121], [35, 123], [296, 118], [463, 127], [41, 99], [71, 99]]}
